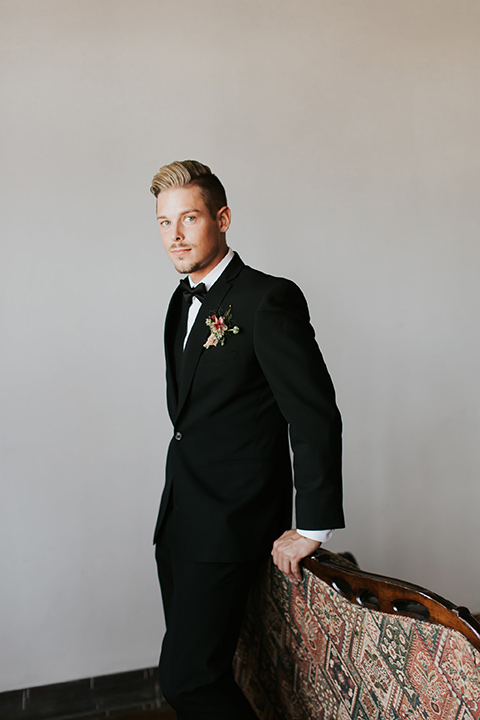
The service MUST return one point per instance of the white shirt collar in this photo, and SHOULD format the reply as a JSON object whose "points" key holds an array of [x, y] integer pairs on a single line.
{"points": [[214, 274]]}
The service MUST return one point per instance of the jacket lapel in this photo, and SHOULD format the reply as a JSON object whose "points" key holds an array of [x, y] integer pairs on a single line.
{"points": [[213, 301], [171, 325]]}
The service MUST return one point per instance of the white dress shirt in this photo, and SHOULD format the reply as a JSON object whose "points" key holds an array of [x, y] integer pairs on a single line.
{"points": [[318, 535], [208, 280]]}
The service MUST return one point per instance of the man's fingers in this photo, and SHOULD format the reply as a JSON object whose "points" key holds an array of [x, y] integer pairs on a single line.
{"points": [[288, 563], [288, 550], [297, 573], [283, 563]]}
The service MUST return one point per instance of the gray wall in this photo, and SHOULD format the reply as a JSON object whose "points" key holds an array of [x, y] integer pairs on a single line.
{"points": [[347, 136]]}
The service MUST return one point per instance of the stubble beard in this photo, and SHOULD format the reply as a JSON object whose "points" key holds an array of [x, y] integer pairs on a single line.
{"points": [[187, 269], [190, 266]]}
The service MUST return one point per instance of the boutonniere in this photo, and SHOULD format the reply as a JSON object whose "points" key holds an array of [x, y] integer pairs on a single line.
{"points": [[219, 327]]}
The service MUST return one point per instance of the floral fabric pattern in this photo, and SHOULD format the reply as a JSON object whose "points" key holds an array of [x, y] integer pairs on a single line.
{"points": [[316, 656]]}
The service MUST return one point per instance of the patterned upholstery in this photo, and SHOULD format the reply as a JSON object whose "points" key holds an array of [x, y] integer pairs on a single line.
{"points": [[307, 653]]}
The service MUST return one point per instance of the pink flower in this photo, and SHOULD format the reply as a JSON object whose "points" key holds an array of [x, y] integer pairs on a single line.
{"points": [[219, 328], [212, 340], [218, 323]]}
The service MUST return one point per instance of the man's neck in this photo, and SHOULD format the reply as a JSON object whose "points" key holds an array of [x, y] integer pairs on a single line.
{"points": [[212, 276]]}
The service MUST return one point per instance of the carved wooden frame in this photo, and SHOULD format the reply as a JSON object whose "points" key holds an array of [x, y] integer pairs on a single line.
{"points": [[389, 595]]}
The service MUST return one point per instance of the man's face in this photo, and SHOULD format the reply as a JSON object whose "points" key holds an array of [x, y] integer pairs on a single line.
{"points": [[194, 240]]}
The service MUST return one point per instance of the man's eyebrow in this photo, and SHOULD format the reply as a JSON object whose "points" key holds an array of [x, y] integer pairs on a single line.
{"points": [[184, 212]]}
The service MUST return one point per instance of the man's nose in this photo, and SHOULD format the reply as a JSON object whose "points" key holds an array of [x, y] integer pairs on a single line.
{"points": [[178, 232]]}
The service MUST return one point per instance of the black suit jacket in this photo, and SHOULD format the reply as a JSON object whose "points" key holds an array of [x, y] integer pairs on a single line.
{"points": [[228, 474]]}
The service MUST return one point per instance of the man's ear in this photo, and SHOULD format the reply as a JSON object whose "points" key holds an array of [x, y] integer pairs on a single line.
{"points": [[224, 217]]}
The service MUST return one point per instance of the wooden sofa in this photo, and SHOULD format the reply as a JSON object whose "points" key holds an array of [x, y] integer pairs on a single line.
{"points": [[349, 645]]}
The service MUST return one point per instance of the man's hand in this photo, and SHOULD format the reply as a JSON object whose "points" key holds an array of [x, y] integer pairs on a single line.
{"points": [[289, 549]]}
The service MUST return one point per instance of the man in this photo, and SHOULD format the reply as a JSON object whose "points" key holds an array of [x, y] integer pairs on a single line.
{"points": [[243, 372]]}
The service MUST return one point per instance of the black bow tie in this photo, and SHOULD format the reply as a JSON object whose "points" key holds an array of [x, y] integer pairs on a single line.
{"points": [[189, 292]]}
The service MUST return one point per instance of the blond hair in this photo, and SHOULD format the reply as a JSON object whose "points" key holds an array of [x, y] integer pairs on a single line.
{"points": [[191, 172]]}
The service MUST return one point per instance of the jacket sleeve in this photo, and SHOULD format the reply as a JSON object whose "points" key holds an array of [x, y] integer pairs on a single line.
{"points": [[291, 361]]}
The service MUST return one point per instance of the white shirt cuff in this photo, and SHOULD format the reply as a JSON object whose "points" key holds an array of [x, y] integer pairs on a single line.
{"points": [[319, 535]]}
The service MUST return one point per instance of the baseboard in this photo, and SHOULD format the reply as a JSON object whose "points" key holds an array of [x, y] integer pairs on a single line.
{"points": [[92, 698]]}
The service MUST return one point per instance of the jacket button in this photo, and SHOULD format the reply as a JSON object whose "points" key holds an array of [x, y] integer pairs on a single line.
{"points": [[178, 436]]}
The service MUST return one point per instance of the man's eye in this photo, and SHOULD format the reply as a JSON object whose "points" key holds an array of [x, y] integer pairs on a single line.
{"points": [[164, 223], [190, 218]]}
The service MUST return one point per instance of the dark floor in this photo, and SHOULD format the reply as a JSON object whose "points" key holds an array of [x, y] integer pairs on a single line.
{"points": [[131, 695], [160, 714]]}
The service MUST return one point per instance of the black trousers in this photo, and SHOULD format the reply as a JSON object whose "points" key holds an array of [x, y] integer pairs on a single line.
{"points": [[204, 605]]}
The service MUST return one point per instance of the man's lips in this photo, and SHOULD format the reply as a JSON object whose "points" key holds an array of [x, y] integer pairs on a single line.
{"points": [[179, 251]]}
